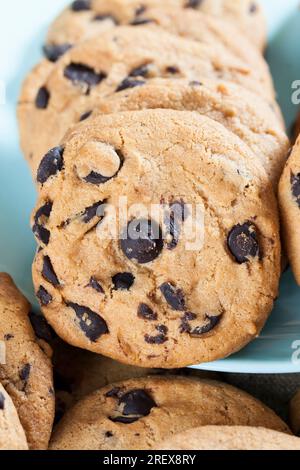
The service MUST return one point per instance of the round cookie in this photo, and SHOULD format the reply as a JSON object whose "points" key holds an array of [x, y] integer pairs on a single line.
{"points": [[295, 414], [239, 110], [158, 299], [119, 59], [85, 18], [289, 201], [78, 373], [141, 413], [12, 436], [27, 371], [231, 438]]}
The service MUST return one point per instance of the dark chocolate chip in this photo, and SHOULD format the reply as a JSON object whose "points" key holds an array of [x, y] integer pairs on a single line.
{"points": [[146, 313], [142, 241], [212, 322], [193, 3], [141, 71], [160, 338], [44, 297], [49, 273], [8, 337], [41, 233], [140, 10], [42, 98], [253, 8], [96, 178], [25, 372], [124, 419], [81, 5], [114, 393], [79, 73], [108, 434], [137, 402], [41, 327], [174, 218], [94, 284], [174, 297], [129, 83], [195, 83], [91, 212], [92, 324], [2, 401], [141, 21], [172, 69], [295, 187], [54, 51], [242, 242], [51, 164], [123, 281], [85, 116], [104, 17]]}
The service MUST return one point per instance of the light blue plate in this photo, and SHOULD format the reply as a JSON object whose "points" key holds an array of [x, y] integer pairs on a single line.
{"points": [[22, 27]]}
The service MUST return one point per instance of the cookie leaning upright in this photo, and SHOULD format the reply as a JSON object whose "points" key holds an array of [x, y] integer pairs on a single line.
{"points": [[27, 372], [119, 59], [12, 436], [140, 413], [176, 306], [289, 201], [295, 414]]}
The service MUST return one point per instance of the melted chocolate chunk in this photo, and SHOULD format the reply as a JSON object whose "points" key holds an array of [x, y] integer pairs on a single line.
{"points": [[193, 4], [160, 338], [91, 212], [81, 5], [79, 73], [212, 322], [41, 327], [92, 324], [123, 281], [94, 284], [129, 83], [42, 98], [51, 164], [8, 337], [44, 297], [104, 17], [54, 51], [25, 372], [96, 178], [141, 71], [172, 69], [114, 393], [49, 273], [243, 243], [140, 10], [2, 401], [141, 21], [175, 216], [85, 116], [124, 419], [146, 313], [295, 187], [174, 297], [142, 241], [108, 434], [137, 402], [38, 228]]}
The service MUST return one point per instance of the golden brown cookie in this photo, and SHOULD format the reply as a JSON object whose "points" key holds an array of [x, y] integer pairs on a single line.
{"points": [[12, 436], [141, 413], [27, 371]]}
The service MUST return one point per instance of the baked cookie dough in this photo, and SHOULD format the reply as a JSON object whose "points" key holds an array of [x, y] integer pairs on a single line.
{"points": [[295, 414], [289, 201], [85, 18], [27, 371], [12, 436], [141, 413], [120, 59], [231, 438], [155, 298]]}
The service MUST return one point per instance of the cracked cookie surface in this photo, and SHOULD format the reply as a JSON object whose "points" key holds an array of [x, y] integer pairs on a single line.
{"points": [[27, 372], [141, 413], [172, 305]]}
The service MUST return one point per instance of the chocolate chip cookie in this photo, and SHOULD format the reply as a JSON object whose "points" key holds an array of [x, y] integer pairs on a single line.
{"points": [[150, 289], [118, 60], [27, 371], [231, 438], [85, 18], [295, 414], [289, 200], [141, 413], [12, 436]]}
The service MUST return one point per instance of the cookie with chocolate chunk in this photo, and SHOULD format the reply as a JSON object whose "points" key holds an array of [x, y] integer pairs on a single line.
{"points": [[117, 60], [26, 372], [85, 18], [289, 200], [149, 289], [140, 413], [12, 436]]}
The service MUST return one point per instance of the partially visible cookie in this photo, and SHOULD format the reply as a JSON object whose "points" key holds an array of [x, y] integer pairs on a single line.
{"points": [[141, 413], [27, 371], [12, 436], [120, 59], [84, 18], [289, 201], [297, 127], [295, 414], [231, 438]]}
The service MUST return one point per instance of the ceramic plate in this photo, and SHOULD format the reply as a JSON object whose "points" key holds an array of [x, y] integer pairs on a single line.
{"points": [[22, 29]]}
